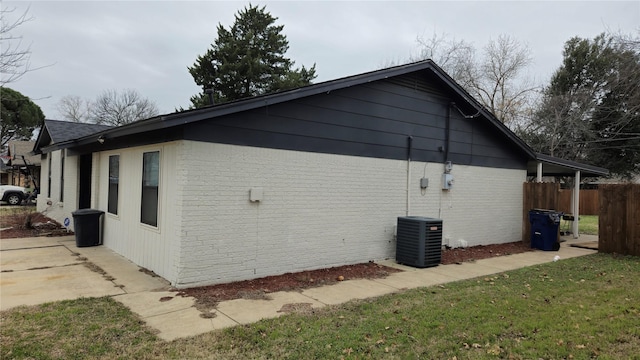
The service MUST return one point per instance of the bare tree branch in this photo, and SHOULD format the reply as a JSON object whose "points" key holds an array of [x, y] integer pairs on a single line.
{"points": [[73, 108], [119, 108], [14, 56], [495, 78]]}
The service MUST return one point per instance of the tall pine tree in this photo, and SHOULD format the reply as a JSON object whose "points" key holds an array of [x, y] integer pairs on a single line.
{"points": [[247, 60], [19, 116]]}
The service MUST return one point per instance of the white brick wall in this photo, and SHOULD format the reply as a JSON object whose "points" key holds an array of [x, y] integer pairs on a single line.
{"points": [[484, 207], [321, 210], [317, 210]]}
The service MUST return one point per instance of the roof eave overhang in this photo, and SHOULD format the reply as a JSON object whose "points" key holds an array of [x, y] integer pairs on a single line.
{"points": [[560, 167], [190, 116]]}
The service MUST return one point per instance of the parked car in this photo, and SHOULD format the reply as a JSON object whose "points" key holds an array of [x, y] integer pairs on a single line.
{"points": [[12, 194]]}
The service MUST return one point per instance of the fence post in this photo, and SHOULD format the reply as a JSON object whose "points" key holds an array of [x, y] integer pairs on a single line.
{"points": [[619, 219]]}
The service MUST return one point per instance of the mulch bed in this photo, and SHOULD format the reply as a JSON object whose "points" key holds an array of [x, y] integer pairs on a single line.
{"points": [[30, 224], [207, 297], [459, 255]]}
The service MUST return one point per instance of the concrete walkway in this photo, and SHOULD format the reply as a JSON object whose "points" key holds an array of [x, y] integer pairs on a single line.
{"points": [[38, 270]]}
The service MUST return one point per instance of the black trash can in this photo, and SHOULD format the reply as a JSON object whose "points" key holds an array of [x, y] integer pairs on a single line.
{"points": [[86, 223], [544, 229]]}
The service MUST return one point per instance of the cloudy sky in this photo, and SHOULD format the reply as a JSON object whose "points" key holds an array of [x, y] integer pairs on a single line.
{"points": [[86, 47]]}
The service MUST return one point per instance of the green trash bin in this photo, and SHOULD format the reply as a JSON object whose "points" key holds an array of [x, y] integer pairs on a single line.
{"points": [[86, 224]]}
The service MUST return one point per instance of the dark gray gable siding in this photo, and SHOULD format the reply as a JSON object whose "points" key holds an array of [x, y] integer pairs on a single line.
{"points": [[372, 120]]}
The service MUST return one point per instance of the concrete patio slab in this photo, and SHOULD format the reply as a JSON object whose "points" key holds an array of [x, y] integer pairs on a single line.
{"points": [[511, 262], [467, 270], [186, 323], [348, 290], [246, 311], [569, 252], [37, 258], [173, 316], [153, 303], [32, 287], [413, 279], [124, 272], [26, 243]]}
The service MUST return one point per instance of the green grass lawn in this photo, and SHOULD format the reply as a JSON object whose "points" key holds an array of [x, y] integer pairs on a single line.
{"points": [[588, 224], [576, 308]]}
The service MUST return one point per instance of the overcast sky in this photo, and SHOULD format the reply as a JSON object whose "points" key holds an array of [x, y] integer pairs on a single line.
{"points": [[86, 47]]}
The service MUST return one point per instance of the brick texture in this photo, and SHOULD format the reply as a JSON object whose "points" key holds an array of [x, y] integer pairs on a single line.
{"points": [[321, 210]]}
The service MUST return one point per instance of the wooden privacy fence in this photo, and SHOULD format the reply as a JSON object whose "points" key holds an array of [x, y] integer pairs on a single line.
{"points": [[589, 204], [619, 221], [538, 196]]}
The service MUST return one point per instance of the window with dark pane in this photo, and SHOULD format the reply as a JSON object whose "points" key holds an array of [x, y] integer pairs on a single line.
{"points": [[114, 182], [150, 183]]}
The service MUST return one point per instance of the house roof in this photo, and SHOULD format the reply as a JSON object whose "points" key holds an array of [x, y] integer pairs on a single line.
{"points": [[463, 98], [553, 166], [189, 116], [63, 132], [17, 149]]}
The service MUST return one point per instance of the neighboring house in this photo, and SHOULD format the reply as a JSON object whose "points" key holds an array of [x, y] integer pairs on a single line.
{"points": [[302, 179], [61, 174], [21, 167]]}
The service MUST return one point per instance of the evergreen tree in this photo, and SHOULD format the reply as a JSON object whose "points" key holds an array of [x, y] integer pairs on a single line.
{"points": [[19, 116], [246, 60], [591, 109]]}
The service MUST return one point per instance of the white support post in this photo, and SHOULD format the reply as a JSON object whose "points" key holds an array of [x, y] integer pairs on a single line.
{"points": [[539, 172], [576, 205]]}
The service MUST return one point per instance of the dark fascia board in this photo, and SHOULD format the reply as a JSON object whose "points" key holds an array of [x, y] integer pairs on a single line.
{"points": [[570, 166], [190, 116]]}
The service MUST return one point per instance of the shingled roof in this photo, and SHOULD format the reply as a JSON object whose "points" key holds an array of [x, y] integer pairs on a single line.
{"points": [[17, 149], [57, 131]]}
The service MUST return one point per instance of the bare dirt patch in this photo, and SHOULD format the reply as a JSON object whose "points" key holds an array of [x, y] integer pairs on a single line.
{"points": [[30, 224], [208, 297]]}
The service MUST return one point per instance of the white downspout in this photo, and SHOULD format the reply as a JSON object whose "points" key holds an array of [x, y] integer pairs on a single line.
{"points": [[539, 172], [576, 205]]}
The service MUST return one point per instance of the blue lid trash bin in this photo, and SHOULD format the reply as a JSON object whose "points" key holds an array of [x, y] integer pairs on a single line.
{"points": [[86, 223], [545, 229]]}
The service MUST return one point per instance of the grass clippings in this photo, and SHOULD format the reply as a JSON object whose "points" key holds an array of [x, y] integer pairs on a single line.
{"points": [[580, 308]]}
